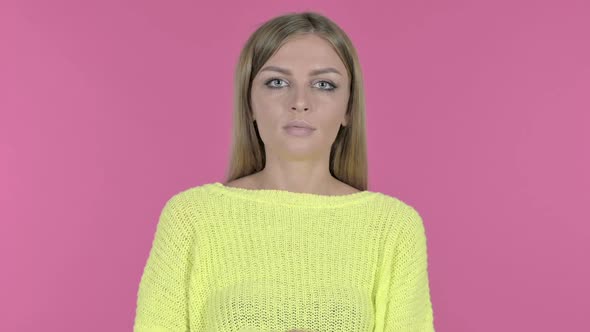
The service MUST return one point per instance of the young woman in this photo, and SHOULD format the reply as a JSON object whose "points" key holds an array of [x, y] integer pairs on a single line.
{"points": [[293, 241]]}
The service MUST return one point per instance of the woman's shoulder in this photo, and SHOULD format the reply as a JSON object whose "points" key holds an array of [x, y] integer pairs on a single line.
{"points": [[190, 196], [397, 211], [391, 201], [206, 193]]}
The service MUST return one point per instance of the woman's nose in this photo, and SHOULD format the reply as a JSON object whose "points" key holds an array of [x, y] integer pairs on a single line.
{"points": [[301, 101]]}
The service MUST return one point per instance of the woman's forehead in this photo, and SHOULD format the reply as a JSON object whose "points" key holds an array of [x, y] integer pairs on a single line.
{"points": [[306, 53]]}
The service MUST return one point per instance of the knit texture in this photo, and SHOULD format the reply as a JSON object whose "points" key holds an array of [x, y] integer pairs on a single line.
{"points": [[228, 259]]}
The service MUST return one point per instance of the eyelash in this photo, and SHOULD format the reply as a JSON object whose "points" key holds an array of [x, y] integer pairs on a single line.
{"points": [[334, 86]]}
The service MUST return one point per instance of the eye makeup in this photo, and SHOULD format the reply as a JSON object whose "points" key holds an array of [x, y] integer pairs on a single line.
{"points": [[272, 79]]}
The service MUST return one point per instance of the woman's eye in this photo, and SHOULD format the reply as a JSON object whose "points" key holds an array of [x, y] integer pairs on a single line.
{"points": [[268, 83], [332, 86], [324, 85]]}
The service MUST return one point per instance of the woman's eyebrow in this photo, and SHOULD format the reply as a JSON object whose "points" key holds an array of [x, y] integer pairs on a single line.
{"points": [[311, 73]]}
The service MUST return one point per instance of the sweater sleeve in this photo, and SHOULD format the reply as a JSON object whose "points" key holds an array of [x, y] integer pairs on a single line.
{"points": [[162, 297], [409, 306]]}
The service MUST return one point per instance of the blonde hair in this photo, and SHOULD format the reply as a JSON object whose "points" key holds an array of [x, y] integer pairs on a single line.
{"points": [[348, 155]]}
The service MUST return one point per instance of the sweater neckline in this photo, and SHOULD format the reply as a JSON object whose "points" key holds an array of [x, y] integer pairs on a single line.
{"points": [[285, 197]]}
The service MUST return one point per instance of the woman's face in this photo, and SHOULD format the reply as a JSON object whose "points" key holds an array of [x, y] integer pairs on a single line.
{"points": [[286, 89]]}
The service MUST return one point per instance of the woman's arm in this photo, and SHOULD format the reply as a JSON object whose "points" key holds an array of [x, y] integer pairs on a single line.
{"points": [[162, 295], [409, 306]]}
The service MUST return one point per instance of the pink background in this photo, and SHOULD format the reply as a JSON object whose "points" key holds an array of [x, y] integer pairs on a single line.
{"points": [[477, 115]]}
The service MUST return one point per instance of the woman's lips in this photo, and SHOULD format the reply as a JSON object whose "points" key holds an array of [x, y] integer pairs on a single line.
{"points": [[299, 123], [299, 131]]}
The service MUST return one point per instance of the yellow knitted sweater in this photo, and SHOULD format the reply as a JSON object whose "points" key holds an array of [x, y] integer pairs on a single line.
{"points": [[233, 259]]}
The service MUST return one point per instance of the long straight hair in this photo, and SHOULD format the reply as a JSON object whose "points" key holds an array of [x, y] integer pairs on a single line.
{"points": [[348, 154]]}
